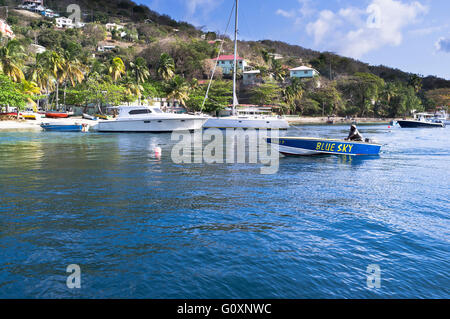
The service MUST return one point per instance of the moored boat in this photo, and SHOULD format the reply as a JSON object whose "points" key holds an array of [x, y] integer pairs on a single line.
{"points": [[313, 146], [89, 117], [150, 119], [52, 114], [64, 127], [419, 124]]}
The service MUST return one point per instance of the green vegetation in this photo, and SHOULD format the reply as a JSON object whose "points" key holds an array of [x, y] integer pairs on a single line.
{"points": [[161, 57]]}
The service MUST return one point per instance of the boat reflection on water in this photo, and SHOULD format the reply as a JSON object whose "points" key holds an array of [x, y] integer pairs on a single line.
{"points": [[356, 160]]}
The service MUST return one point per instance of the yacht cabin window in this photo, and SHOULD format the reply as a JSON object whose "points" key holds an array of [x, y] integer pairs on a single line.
{"points": [[136, 112]]}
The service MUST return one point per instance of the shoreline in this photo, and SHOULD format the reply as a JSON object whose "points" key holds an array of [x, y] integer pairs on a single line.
{"points": [[35, 124], [18, 125], [300, 120]]}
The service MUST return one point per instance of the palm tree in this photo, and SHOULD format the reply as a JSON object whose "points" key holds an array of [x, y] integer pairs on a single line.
{"points": [[178, 89], [74, 72], [39, 74], [30, 88], [11, 58], [116, 69], [133, 88], [277, 70], [139, 70], [54, 64], [140, 73], [166, 67]]}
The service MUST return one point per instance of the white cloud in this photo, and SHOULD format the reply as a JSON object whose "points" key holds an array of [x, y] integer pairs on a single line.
{"points": [[428, 30], [286, 14], [305, 10], [355, 32], [206, 5], [443, 45], [323, 25]]}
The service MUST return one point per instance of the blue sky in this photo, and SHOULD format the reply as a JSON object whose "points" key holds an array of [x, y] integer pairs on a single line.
{"points": [[412, 35]]}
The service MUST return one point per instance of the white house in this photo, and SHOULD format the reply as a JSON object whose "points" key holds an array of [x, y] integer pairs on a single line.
{"points": [[226, 63], [113, 26], [64, 23], [106, 48], [276, 56], [251, 77], [303, 72]]}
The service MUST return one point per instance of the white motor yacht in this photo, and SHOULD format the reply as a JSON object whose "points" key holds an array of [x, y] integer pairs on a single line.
{"points": [[150, 119]]}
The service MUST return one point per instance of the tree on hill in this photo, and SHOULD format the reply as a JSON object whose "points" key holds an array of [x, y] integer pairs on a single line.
{"points": [[11, 94], [219, 97], [11, 60], [116, 69], [264, 94], [166, 67]]}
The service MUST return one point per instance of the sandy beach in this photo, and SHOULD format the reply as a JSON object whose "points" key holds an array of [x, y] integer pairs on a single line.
{"points": [[35, 124]]}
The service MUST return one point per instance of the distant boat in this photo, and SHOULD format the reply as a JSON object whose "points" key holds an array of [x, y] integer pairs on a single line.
{"points": [[30, 115], [64, 127], [150, 119], [89, 117], [419, 124], [52, 114], [314, 146]]}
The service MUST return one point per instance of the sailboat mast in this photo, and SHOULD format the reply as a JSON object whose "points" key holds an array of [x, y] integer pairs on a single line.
{"points": [[235, 58]]}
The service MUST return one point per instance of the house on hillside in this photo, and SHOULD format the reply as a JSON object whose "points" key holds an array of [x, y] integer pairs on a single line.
{"points": [[276, 56], [105, 48], [113, 26], [226, 63], [303, 72], [33, 2], [251, 77], [66, 23], [6, 30]]}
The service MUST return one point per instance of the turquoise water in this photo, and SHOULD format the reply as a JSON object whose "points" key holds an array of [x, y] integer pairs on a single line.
{"points": [[141, 227]]}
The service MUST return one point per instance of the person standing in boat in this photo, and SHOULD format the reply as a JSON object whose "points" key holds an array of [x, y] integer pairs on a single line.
{"points": [[354, 135]]}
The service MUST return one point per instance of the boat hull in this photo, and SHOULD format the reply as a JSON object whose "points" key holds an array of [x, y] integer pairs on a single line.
{"points": [[56, 115], [269, 123], [63, 127], [313, 146], [151, 125], [416, 124]]}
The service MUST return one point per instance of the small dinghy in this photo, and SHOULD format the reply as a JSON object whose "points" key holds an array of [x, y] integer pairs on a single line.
{"points": [[63, 127], [314, 146], [89, 117], [51, 114]]}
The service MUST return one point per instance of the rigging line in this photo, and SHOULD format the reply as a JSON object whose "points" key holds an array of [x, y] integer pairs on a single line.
{"points": [[218, 55]]}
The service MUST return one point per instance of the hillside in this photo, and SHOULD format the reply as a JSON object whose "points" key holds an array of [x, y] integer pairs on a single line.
{"points": [[345, 86]]}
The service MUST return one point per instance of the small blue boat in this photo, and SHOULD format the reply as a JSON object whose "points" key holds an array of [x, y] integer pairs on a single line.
{"points": [[58, 127], [313, 146]]}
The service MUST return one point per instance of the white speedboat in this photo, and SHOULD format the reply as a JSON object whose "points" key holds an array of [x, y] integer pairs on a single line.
{"points": [[150, 119]]}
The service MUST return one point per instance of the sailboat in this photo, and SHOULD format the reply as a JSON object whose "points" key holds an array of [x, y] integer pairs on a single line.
{"points": [[235, 121]]}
